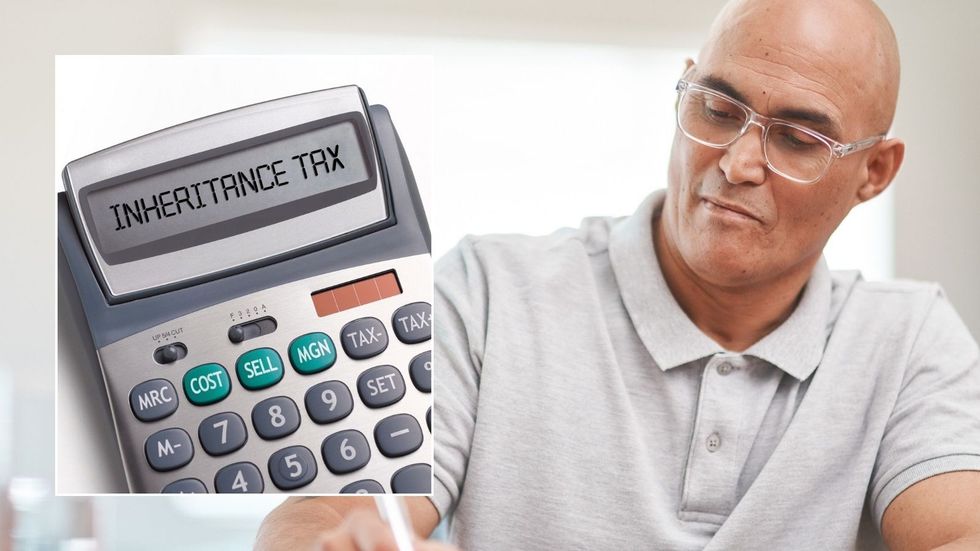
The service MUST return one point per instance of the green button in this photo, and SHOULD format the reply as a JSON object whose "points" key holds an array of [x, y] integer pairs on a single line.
{"points": [[312, 352], [259, 368], [206, 384]]}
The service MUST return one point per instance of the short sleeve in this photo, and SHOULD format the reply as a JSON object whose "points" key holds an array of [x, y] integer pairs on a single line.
{"points": [[934, 427], [460, 325]]}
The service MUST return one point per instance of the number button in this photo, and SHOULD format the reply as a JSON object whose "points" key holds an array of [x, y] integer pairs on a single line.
{"points": [[222, 434], [413, 479], [239, 478], [312, 353], [345, 452], [292, 467], [398, 435], [413, 322], [275, 417], [420, 369], [153, 400], [328, 402], [380, 386], [169, 449], [364, 338], [185, 486], [366, 486]]}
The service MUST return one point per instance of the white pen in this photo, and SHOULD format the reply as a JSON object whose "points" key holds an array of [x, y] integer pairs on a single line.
{"points": [[392, 511]]}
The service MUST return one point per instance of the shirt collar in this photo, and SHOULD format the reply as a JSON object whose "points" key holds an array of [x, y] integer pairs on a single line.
{"points": [[796, 346]]}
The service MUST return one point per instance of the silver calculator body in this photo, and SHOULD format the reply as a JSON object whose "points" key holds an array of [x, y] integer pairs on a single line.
{"points": [[257, 286]]}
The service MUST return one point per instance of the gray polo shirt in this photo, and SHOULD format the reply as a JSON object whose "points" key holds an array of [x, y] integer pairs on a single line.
{"points": [[577, 407]]}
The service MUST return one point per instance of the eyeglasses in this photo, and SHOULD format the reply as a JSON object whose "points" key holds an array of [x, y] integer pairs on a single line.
{"points": [[794, 152]]}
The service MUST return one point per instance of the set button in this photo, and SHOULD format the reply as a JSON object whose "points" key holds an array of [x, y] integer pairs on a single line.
{"points": [[380, 386], [259, 368], [206, 384]]}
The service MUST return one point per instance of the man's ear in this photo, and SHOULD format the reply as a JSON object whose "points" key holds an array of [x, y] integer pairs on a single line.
{"points": [[883, 165], [688, 63]]}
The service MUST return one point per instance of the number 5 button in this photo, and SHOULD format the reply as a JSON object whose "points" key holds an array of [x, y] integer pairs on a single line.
{"points": [[292, 467], [345, 451]]}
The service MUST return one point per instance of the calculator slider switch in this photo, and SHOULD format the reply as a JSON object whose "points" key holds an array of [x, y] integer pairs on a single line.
{"points": [[169, 353], [249, 330]]}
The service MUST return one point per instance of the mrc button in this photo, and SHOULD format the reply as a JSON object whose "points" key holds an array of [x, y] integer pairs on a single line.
{"points": [[364, 338], [206, 384], [380, 386], [413, 322], [169, 449], [312, 353], [153, 400], [259, 368]]}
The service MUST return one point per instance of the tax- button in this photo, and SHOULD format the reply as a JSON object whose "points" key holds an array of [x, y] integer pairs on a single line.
{"points": [[169, 449], [364, 338], [259, 368], [312, 353], [206, 384], [380, 386], [413, 322], [153, 400]]}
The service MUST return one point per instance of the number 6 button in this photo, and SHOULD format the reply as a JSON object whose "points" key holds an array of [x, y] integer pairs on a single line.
{"points": [[345, 451], [275, 417], [292, 467]]}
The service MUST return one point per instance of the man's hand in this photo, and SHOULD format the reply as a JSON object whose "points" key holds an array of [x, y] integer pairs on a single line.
{"points": [[363, 530]]}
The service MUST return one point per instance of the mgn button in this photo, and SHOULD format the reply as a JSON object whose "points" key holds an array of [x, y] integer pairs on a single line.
{"points": [[206, 384], [169, 449], [420, 369], [275, 417], [328, 402], [222, 434], [239, 478], [153, 400], [259, 368], [366, 486], [312, 353], [398, 435], [380, 386], [413, 479], [413, 322], [364, 338], [185, 486], [345, 451], [292, 467]]}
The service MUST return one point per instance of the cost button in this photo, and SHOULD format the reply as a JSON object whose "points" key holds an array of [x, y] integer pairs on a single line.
{"points": [[206, 384]]}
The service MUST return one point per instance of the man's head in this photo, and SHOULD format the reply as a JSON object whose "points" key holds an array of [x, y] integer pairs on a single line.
{"points": [[802, 61]]}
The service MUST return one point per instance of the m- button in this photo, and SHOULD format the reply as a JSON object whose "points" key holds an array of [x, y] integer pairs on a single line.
{"points": [[724, 368], [169, 449]]}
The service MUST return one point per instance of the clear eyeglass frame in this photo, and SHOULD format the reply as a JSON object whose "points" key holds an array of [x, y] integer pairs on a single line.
{"points": [[835, 149]]}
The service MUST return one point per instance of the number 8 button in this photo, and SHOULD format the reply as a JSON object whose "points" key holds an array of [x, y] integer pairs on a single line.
{"points": [[275, 417], [345, 451]]}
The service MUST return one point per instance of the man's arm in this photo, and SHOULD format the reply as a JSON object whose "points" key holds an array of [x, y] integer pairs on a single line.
{"points": [[940, 512], [300, 522]]}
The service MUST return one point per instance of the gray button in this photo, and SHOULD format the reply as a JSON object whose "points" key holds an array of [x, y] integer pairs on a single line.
{"points": [[222, 434], [185, 486], [713, 442], [724, 368], [380, 386], [363, 487], [413, 322], [275, 417], [169, 449], [345, 451], [428, 418], [398, 435], [364, 338], [420, 369], [239, 478], [153, 400], [328, 402], [292, 467], [413, 479]]}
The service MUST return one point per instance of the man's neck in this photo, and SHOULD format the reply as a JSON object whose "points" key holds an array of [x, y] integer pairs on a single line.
{"points": [[734, 317]]}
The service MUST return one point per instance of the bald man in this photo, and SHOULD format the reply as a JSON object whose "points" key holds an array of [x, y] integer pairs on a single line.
{"points": [[694, 376]]}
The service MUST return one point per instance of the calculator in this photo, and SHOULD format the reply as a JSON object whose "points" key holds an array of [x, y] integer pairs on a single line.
{"points": [[257, 285]]}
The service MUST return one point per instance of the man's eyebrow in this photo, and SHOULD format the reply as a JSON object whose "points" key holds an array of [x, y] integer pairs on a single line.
{"points": [[817, 120]]}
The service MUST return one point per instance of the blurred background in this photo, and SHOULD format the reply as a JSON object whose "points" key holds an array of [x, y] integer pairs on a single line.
{"points": [[544, 112]]}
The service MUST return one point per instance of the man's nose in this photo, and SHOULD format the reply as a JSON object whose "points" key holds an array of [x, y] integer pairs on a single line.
{"points": [[745, 161]]}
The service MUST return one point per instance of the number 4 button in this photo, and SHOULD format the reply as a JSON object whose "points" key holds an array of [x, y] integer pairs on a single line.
{"points": [[239, 478]]}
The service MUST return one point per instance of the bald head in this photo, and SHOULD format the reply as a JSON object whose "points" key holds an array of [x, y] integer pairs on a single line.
{"points": [[843, 50]]}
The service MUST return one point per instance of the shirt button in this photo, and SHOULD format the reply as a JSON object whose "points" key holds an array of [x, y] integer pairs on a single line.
{"points": [[713, 442], [724, 368]]}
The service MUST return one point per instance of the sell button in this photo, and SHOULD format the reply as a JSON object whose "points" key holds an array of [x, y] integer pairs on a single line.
{"points": [[312, 353], [206, 384], [259, 368]]}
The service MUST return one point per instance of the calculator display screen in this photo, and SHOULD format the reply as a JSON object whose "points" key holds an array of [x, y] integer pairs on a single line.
{"points": [[232, 190]]}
